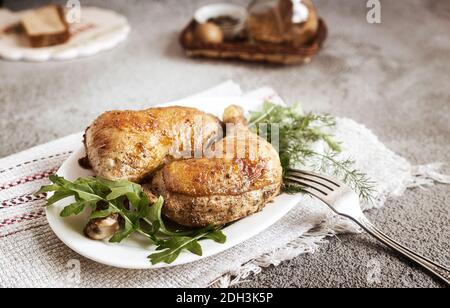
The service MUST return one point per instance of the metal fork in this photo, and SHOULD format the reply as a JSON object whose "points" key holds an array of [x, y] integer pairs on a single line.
{"points": [[345, 202]]}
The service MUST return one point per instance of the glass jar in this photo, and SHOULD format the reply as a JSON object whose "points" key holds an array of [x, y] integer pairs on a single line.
{"points": [[292, 22]]}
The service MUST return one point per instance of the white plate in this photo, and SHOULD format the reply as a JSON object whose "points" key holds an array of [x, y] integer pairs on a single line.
{"points": [[98, 30], [133, 252]]}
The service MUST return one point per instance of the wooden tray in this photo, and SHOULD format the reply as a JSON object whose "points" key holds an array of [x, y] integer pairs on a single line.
{"points": [[253, 52]]}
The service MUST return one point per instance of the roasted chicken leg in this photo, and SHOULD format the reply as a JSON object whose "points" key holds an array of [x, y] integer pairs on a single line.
{"points": [[242, 175], [234, 177], [130, 145]]}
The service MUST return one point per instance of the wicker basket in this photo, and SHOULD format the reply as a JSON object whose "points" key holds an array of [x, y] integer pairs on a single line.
{"points": [[253, 51]]}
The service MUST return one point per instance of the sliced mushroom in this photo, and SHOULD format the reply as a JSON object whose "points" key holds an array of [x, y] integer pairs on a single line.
{"points": [[101, 228]]}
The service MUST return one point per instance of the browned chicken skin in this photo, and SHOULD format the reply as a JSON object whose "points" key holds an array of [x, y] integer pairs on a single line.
{"points": [[132, 144], [243, 176], [239, 175]]}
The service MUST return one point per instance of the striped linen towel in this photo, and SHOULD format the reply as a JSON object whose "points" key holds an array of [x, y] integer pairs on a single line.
{"points": [[32, 256]]}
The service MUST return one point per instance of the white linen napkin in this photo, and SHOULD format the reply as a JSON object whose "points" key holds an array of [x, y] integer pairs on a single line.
{"points": [[32, 256]]}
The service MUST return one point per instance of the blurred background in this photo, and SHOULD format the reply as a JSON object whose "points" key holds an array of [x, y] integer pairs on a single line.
{"points": [[393, 77], [374, 73]]}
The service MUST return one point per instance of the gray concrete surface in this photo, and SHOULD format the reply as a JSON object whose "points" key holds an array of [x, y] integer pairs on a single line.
{"points": [[393, 77]]}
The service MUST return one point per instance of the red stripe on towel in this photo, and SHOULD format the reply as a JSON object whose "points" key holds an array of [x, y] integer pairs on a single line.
{"points": [[28, 179], [23, 230], [18, 219], [36, 160], [24, 199]]}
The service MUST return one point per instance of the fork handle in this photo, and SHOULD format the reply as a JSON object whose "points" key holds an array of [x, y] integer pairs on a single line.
{"points": [[436, 269]]}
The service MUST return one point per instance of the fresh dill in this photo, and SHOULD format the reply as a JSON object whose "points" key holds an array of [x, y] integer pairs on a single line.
{"points": [[298, 135]]}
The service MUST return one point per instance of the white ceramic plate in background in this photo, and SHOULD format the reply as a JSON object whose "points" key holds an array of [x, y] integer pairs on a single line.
{"points": [[133, 252], [99, 30]]}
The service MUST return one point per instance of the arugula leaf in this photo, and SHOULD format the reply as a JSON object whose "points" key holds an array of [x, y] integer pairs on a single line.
{"points": [[103, 213], [47, 188], [59, 195], [154, 213], [59, 181], [169, 250], [73, 209], [87, 196], [124, 233], [195, 248], [172, 248], [216, 236], [130, 191], [154, 216], [128, 199]]}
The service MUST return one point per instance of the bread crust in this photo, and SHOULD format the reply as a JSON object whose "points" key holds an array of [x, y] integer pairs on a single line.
{"points": [[47, 40]]}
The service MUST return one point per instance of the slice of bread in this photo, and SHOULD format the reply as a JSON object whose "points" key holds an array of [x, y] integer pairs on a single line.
{"points": [[46, 26]]}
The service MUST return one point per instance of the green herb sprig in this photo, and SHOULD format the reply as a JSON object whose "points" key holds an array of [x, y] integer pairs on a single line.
{"points": [[298, 132], [128, 199]]}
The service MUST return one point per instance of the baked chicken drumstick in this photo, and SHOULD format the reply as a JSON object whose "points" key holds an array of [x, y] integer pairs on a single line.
{"points": [[130, 145], [242, 176], [236, 176]]}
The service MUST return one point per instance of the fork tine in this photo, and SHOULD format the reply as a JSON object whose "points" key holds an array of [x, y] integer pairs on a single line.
{"points": [[309, 187], [320, 176], [310, 178]]}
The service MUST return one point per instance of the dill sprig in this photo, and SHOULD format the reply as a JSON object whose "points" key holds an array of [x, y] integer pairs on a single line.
{"points": [[344, 169], [298, 135]]}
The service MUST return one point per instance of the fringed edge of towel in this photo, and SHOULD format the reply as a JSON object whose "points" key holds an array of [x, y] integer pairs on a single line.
{"points": [[427, 175], [308, 243], [305, 244], [420, 176]]}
